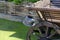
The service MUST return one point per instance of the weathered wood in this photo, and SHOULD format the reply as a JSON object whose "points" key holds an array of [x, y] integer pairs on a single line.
{"points": [[54, 20], [54, 13], [3, 7], [44, 9]]}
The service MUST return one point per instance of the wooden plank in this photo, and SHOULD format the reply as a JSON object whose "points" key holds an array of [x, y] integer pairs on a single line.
{"points": [[57, 10], [44, 9], [54, 20]]}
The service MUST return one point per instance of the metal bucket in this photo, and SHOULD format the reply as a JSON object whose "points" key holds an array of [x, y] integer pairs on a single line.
{"points": [[29, 21]]}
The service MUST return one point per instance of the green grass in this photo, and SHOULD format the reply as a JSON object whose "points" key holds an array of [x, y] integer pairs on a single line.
{"points": [[10, 30]]}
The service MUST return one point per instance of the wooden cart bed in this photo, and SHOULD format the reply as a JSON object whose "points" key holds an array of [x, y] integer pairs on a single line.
{"points": [[52, 14]]}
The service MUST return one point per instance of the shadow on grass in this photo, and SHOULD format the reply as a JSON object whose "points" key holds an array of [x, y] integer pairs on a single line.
{"points": [[19, 28]]}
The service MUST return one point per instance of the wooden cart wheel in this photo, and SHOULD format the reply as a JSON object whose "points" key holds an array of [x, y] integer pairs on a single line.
{"points": [[43, 31]]}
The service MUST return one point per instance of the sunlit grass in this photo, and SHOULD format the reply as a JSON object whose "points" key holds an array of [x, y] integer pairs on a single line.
{"points": [[10, 30]]}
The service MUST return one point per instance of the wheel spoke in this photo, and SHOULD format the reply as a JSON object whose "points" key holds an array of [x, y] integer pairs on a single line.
{"points": [[46, 32], [38, 36], [39, 31], [42, 32], [52, 35]]}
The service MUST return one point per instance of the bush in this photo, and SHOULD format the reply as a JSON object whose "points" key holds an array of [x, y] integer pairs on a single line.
{"points": [[33, 1], [20, 1], [10, 0], [17, 1]]}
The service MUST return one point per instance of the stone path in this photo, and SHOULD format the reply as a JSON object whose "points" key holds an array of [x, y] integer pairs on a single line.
{"points": [[10, 17]]}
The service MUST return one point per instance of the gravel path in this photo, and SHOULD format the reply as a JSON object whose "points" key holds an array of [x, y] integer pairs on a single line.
{"points": [[10, 17]]}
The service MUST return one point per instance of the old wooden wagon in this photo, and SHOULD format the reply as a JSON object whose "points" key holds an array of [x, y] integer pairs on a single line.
{"points": [[48, 26]]}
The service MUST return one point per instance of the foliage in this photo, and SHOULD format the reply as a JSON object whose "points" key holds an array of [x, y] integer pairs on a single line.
{"points": [[20, 1], [17, 1], [10, 0], [33, 1]]}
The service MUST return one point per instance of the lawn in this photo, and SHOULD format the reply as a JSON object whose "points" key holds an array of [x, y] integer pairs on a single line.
{"points": [[10, 30]]}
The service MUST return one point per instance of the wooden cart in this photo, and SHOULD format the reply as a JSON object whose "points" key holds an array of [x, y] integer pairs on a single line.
{"points": [[48, 26]]}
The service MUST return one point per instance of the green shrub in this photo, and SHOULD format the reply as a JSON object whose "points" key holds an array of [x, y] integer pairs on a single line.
{"points": [[20, 1], [17, 1], [10, 0], [33, 1]]}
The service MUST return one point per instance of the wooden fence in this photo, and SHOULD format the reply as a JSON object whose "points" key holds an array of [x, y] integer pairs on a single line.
{"points": [[12, 9], [3, 7]]}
